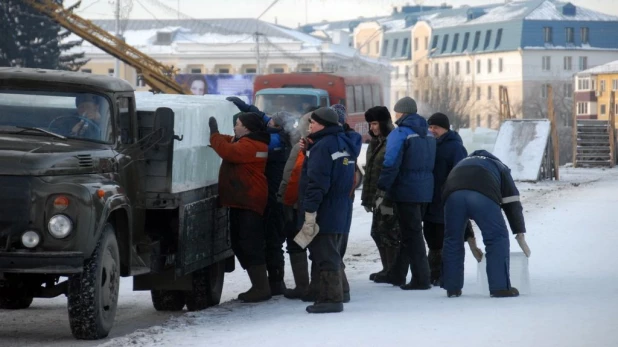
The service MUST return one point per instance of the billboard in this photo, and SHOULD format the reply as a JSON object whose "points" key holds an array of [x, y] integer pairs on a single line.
{"points": [[223, 84]]}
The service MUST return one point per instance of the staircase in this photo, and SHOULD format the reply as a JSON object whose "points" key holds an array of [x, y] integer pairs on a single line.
{"points": [[593, 146]]}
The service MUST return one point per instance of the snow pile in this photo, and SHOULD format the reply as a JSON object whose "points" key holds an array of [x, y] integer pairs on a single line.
{"points": [[571, 303]]}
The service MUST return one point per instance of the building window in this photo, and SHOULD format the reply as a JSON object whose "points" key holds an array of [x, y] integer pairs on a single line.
{"points": [[583, 84], [426, 70], [478, 93], [304, 69], [404, 47], [603, 109], [467, 67], [487, 39], [434, 44], [544, 90], [547, 35], [568, 63], [500, 65], [583, 63], [426, 42], [488, 65], [275, 70], [477, 38], [478, 120], [570, 35], [110, 72], [224, 70], [415, 70], [384, 48], [395, 46], [490, 119], [602, 85], [546, 63], [582, 108], [444, 43], [455, 42], [436, 69], [468, 93], [377, 47], [457, 94], [416, 44], [196, 70], [446, 68], [489, 93], [498, 38], [457, 68], [568, 90], [139, 81], [465, 42], [584, 33], [478, 66], [614, 85], [86, 70]]}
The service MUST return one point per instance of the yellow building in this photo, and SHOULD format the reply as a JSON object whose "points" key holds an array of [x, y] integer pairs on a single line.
{"points": [[594, 88]]}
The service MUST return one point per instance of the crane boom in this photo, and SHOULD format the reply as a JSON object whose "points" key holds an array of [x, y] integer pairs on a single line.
{"points": [[158, 76]]}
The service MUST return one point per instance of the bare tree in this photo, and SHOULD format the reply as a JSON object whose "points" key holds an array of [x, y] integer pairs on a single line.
{"points": [[448, 94], [535, 100]]}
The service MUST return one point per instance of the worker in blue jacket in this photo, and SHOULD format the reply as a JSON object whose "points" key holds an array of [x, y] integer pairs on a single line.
{"points": [[279, 126], [407, 180], [480, 187]]}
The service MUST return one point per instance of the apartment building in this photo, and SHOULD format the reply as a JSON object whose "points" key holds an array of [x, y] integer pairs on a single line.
{"points": [[593, 91]]}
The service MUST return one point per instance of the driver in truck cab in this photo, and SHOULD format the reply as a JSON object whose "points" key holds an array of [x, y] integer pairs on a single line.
{"points": [[90, 118]]}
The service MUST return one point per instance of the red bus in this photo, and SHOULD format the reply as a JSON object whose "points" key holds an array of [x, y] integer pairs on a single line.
{"points": [[300, 90]]}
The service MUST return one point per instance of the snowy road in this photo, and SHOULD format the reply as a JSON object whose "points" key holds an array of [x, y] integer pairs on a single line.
{"points": [[573, 301]]}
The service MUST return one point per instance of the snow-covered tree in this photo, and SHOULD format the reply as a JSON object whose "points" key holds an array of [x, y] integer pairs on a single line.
{"points": [[31, 39]]}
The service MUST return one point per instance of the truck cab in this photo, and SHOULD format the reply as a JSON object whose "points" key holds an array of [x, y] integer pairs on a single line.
{"points": [[294, 100], [77, 203]]}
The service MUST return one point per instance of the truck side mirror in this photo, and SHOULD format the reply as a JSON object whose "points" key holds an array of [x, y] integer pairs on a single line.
{"points": [[163, 124]]}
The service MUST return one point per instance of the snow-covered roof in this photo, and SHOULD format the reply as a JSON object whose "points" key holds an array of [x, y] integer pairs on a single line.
{"points": [[553, 10], [609, 68]]}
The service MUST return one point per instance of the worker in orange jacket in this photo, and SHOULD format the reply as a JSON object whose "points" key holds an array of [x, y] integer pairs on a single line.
{"points": [[243, 188]]}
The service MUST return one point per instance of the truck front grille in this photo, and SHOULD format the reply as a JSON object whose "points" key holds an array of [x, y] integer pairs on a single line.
{"points": [[15, 203]]}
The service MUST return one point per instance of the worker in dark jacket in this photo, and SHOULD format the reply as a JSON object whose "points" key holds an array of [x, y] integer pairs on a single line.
{"points": [[279, 127], [243, 188], [407, 180], [324, 200], [449, 151], [480, 187], [384, 226]]}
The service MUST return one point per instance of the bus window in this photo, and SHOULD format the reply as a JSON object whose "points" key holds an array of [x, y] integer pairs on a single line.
{"points": [[377, 95], [323, 101], [349, 96], [358, 99], [367, 96]]}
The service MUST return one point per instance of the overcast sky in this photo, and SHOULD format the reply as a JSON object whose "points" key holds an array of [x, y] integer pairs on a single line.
{"points": [[286, 12]]}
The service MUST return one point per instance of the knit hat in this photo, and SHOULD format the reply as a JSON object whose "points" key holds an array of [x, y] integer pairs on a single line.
{"points": [[378, 114], [439, 119], [252, 121], [325, 116], [406, 105], [341, 112]]}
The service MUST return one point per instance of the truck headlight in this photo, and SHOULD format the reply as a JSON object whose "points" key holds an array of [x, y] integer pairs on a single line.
{"points": [[30, 239], [60, 226]]}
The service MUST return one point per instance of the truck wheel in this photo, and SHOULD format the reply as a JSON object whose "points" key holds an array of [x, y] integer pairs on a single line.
{"points": [[168, 300], [15, 302], [93, 294], [207, 287]]}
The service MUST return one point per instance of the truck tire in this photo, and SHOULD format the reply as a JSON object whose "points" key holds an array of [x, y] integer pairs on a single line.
{"points": [[93, 294], [168, 300], [15, 302], [207, 287]]}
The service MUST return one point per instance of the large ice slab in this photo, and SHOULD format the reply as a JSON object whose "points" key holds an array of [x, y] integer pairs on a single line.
{"points": [[194, 163], [521, 146]]}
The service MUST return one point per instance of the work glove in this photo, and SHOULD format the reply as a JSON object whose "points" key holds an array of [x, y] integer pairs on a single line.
{"points": [[214, 127], [309, 230], [369, 209], [521, 240], [386, 208]]}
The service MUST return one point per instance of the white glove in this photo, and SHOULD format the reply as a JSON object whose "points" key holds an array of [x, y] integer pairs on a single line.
{"points": [[369, 209], [521, 240], [309, 230], [385, 210], [476, 251]]}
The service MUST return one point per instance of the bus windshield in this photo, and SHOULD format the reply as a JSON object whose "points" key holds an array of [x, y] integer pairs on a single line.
{"points": [[296, 104]]}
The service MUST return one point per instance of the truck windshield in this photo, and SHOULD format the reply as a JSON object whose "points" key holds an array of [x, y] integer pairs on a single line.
{"points": [[74, 115], [297, 104]]}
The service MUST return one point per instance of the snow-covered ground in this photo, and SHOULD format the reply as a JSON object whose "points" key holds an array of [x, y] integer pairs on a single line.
{"points": [[573, 299]]}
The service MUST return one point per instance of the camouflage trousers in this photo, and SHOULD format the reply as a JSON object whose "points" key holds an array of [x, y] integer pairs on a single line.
{"points": [[385, 230]]}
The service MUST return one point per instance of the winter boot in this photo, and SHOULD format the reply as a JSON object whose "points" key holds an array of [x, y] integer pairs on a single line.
{"points": [[383, 258], [415, 285], [391, 259], [435, 265], [314, 286], [275, 280], [330, 296], [505, 293], [476, 252], [299, 264], [260, 290], [453, 293], [345, 285]]}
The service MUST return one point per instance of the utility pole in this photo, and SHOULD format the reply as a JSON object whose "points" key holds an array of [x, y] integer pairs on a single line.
{"points": [[258, 70], [117, 14]]}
